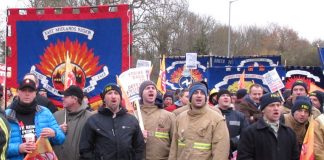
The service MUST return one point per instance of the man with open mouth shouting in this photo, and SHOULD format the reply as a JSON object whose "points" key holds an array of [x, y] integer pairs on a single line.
{"points": [[268, 138], [200, 132], [158, 123]]}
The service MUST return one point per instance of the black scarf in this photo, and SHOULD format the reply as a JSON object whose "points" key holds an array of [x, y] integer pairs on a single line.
{"points": [[23, 108]]}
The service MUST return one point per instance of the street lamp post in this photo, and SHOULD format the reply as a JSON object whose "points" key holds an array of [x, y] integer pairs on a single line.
{"points": [[229, 28]]}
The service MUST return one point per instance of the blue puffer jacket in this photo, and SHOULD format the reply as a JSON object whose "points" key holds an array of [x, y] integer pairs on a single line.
{"points": [[43, 119]]}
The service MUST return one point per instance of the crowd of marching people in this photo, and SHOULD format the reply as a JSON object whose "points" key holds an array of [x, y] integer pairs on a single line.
{"points": [[195, 123]]}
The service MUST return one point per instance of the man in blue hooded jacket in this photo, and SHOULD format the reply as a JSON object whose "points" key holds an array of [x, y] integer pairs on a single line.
{"points": [[29, 121]]}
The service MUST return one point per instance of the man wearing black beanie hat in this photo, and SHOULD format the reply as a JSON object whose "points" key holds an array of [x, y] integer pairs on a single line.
{"points": [[317, 100], [299, 88], [299, 118], [261, 140], [235, 120], [111, 132]]}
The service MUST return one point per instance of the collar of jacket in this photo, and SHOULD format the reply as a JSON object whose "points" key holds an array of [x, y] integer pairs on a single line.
{"points": [[261, 124], [149, 108], [296, 125], [81, 110], [249, 100], [12, 113], [107, 111], [197, 111], [228, 110]]}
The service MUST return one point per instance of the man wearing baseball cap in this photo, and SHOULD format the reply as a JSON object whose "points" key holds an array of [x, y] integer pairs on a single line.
{"points": [[26, 117], [112, 133], [71, 119], [201, 133], [261, 140]]}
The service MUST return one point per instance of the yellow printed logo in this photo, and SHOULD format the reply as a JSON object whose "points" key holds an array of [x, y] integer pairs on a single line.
{"points": [[274, 95], [108, 88], [304, 107]]}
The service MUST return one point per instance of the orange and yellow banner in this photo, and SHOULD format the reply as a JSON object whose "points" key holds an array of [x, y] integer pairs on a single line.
{"points": [[44, 151], [241, 82], [307, 151], [69, 78], [161, 82]]}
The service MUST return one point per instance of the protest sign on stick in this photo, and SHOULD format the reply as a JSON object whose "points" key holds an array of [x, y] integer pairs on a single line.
{"points": [[191, 60], [274, 82], [130, 81]]}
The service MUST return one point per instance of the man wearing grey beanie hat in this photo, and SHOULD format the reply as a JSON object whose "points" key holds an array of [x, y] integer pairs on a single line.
{"points": [[158, 123]]}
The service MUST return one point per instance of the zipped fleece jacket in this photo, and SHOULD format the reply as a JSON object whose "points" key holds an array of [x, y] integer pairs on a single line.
{"points": [[105, 137], [200, 134], [75, 122], [159, 123], [43, 119]]}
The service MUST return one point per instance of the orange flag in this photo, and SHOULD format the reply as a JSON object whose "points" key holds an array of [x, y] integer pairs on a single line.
{"points": [[69, 78], [307, 151], [313, 87], [241, 82], [161, 82], [43, 151], [128, 105]]}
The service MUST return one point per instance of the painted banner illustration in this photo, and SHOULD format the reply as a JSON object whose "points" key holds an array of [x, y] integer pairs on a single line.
{"points": [[310, 75], [179, 77], [95, 39]]}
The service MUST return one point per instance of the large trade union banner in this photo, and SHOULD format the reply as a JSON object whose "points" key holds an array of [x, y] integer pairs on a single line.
{"points": [[241, 61], [95, 39], [179, 77], [228, 77]]}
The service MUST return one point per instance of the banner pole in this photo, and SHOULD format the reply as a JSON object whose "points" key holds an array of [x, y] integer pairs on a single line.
{"points": [[139, 114], [283, 99]]}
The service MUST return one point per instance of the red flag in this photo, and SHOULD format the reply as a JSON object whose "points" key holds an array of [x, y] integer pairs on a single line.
{"points": [[161, 82], [307, 151], [241, 82]]}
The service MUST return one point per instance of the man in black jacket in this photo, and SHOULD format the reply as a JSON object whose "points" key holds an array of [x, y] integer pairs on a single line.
{"points": [[112, 133], [235, 120], [268, 138]]}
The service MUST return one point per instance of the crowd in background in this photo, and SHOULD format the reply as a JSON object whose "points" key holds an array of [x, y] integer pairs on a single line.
{"points": [[192, 123]]}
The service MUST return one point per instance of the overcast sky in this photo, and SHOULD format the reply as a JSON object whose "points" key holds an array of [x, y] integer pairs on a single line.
{"points": [[303, 16]]}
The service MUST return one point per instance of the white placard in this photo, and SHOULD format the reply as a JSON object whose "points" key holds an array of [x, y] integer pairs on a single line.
{"points": [[131, 81], [143, 63], [191, 60], [273, 80]]}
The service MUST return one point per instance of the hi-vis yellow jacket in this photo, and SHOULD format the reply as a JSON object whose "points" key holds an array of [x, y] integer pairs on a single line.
{"points": [[159, 123], [200, 134]]}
